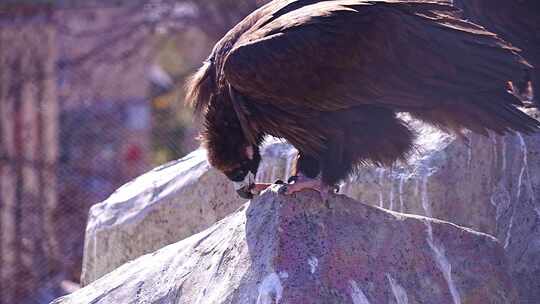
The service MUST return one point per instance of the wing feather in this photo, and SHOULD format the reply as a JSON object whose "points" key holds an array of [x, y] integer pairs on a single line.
{"points": [[335, 55]]}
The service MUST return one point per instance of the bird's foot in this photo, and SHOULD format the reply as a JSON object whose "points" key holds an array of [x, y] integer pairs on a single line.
{"points": [[299, 183]]}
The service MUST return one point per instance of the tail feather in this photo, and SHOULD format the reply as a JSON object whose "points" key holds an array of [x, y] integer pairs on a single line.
{"points": [[494, 111], [507, 117]]}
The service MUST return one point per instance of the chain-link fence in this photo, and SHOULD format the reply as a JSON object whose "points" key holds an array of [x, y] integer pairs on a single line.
{"points": [[90, 97]]}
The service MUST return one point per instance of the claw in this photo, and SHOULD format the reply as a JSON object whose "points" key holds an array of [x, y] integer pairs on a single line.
{"points": [[302, 184], [293, 179], [299, 183], [283, 189]]}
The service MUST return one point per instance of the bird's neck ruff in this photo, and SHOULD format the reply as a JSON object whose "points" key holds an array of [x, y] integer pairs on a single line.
{"points": [[222, 135], [201, 95], [220, 121], [242, 114]]}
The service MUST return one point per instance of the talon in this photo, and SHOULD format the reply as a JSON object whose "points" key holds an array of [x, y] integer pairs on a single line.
{"points": [[304, 183], [293, 179], [297, 183], [283, 189]]}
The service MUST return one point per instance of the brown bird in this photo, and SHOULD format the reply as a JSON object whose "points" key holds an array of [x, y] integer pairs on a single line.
{"points": [[515, 21], [330, 77]]}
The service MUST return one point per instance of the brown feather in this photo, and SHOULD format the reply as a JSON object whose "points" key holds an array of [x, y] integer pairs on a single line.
{"points": [[199, 88], [516, 21], [330, 76]]}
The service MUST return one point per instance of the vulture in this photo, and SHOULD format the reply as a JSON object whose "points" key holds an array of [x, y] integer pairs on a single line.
{"points": [[515, 21], [333, 77]]}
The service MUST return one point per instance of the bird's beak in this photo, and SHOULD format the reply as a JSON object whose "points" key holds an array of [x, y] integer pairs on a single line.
{"points": [[244, 187]]}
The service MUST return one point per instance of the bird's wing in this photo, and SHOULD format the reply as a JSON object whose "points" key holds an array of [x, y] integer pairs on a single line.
{"points": [[516, 21], [335, 55]]}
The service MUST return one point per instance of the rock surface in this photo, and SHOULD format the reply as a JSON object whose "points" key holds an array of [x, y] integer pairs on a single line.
{"points": [[164, 206], [491, 186], [159, 208], [299, 249]]}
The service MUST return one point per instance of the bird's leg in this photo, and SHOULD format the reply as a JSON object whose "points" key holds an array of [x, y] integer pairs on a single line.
{"points": [[301, 183], [306, 175]]}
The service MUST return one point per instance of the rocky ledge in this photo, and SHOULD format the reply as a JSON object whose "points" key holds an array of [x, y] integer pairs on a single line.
{"points": [[299, 249]]}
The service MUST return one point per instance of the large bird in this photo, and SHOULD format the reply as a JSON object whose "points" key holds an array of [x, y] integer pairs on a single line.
{"points": [[515, 21], [330, 77]]}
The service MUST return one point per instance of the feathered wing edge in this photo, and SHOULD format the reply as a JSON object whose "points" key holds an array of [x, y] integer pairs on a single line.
{"points": [[199, 88]]}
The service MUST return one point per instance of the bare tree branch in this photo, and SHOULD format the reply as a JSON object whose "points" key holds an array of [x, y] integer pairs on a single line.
{"points": [[213, 18]]}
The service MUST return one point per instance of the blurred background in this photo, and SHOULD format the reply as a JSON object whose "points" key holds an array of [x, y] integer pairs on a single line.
{"points": [[90, 97]]}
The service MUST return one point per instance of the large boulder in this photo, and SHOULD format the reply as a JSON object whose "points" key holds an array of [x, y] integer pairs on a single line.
{"points": [[489, 184], [166, 205], [159, 208], [299, 249]]}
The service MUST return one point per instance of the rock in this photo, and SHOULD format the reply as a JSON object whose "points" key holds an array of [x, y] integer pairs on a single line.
{"points": [[298, 249], [159, 208], [164, 206], [491, 186]]}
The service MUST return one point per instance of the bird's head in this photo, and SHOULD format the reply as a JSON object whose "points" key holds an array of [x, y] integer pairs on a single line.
{"points": [[238, 162], [223, 136]]}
